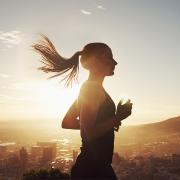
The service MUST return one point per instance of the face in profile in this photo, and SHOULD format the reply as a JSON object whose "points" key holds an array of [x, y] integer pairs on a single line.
{"points": [[106, 64]]}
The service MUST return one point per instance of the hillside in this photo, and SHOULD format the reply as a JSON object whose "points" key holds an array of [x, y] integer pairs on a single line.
{"points": [[31, 132], [151, 132]]}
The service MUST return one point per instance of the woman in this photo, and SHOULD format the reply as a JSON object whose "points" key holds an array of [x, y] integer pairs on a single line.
{"points": [[93, 112]]}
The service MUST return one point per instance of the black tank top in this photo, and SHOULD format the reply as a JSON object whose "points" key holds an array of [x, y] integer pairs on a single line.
{"points": [[100, 150]]}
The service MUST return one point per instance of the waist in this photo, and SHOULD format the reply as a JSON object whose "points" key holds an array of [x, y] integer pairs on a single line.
{"points": [[85, 159], [97, 154]]}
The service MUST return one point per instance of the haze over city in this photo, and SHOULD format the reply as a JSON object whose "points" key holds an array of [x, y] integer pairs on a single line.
{"points": [[143, 35]]}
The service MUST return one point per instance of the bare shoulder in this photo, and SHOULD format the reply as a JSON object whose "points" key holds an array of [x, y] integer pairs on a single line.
{"points": [[91, 92]]}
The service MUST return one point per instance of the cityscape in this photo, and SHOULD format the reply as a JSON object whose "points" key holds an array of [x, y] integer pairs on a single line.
{"points": [[158, 159], [50, 50]]}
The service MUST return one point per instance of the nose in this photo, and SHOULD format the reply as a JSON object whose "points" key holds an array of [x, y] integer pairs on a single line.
{"points": [[115, 62]]}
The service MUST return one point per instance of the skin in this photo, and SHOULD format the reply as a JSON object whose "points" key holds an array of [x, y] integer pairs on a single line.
{"points": [[102, 66]]}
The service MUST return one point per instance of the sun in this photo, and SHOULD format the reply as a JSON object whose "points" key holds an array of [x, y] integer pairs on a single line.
{"points": [[49, 100], [58, 98]]}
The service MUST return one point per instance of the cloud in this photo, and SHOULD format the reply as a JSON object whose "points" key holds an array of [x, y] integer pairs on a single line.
{"points": [[5, 98], [21, 86], [101, 7], [4, 75], [30, 86], [85, 12], [10, 38]]}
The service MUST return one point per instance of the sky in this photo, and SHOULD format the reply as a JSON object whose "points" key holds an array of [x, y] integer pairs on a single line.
{"points": [[144, 37]]}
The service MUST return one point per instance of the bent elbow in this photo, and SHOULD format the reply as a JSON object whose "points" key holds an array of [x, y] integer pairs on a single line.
{"points": [[64, 125]]}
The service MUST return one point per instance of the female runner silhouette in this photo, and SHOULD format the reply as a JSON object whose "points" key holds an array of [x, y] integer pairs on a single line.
{"points": [[93, 112]]}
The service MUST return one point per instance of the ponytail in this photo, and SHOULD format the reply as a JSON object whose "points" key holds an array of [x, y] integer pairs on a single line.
{"points": [[54, 62]]}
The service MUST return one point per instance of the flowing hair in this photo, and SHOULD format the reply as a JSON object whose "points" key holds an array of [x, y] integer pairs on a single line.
{"points": [[54, 62]]}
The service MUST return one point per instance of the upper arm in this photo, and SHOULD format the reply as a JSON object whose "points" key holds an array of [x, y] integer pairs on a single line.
{"points": [[90, 98], [73, 110], [71, 115]]}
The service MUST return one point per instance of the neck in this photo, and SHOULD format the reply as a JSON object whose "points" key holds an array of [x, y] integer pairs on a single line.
{"points": [[94, 77]]}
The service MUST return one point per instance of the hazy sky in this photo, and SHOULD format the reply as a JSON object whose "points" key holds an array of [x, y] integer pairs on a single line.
{"points": [[144, 37]]}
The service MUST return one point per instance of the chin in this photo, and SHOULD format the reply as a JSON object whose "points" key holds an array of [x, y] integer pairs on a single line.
{"points": [[110, 74]]}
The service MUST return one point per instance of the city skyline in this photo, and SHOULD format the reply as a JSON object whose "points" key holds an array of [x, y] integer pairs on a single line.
{"points": [[144, 38]]}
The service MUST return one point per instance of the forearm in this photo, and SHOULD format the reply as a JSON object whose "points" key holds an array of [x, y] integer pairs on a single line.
{"points": [[99, 129], [75, 125]]}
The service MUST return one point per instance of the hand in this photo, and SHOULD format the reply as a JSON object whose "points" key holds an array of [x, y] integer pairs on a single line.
{"points": [[117, 125], [124, 110]]}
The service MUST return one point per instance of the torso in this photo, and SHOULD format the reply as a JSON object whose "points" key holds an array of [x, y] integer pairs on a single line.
{"points": [[101, 149]]}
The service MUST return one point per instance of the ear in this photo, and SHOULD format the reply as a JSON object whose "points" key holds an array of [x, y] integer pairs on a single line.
{"points": [[86, 63], [93, 62]]}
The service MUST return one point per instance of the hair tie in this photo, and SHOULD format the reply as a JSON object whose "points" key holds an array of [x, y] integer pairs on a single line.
{"points": [[79, 52]]}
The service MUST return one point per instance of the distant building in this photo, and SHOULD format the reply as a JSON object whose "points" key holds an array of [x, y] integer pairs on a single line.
{"points": [[11, 146], [51, 145], [47, 154], [3, 151], [12, 168], [23, 157], [36, 151]]}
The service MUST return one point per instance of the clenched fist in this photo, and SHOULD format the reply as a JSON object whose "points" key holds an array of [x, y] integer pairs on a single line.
{"points": [[123, 111]]}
